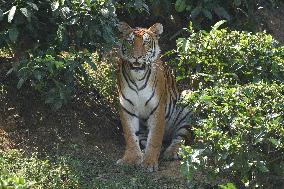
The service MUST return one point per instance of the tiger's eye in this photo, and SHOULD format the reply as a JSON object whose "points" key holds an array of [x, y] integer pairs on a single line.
{"points": [[129, 41], [128, 44]]}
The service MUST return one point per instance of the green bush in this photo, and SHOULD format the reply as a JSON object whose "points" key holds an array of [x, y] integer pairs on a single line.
{"points": [[240, 14], [239, 136], [103, 79], [38, 32], [237, 106], [54, 76], [12, 182], [223, 56], [28, 25]]}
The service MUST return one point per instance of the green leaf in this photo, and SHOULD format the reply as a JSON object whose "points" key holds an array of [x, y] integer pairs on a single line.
{"points": [[13, 34], [62, 2], [188, 7], [58, 64], [262, 167], [37, 75], [27, 13], [57, 105], [1, 15], [54, 5], [221, 12], [206, 98], [60, 33], [218, 24], [185, 45], [228, 186], [65, 12], [274, 141], [180, 5], [20, 83], [73, 20], [11, 14], [138, 4], [34, 6], [178, 78], [145, 6], [207, 14], [92, 64], [49, 100], [10, 71], [195, 12], [21, 180], [237, 2]]}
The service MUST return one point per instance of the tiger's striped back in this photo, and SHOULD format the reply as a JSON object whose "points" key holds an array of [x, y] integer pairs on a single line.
{"points": [[148, 98]]}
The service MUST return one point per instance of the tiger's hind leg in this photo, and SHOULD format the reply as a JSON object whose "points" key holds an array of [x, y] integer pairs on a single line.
{"points": [[181, 135], [171, 152]]}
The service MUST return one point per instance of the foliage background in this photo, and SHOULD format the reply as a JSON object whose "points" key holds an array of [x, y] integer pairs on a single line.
{"points": [[237, 105]]}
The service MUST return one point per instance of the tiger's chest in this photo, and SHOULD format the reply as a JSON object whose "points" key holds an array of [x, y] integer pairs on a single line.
{"points": [[139, 98]]}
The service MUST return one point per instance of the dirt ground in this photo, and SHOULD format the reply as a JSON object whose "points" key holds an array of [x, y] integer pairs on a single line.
{"points": [[88, 128]]}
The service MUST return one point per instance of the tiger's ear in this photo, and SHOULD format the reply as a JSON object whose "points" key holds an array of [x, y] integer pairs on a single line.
{"points": [[123, 27], [156, 29]]}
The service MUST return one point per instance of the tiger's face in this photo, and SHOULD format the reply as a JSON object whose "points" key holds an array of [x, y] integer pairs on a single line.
{"points": [[139, 46]]}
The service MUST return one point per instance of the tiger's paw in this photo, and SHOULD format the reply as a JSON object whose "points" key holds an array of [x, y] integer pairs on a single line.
{"points": [[150, 165], [134, 160]]}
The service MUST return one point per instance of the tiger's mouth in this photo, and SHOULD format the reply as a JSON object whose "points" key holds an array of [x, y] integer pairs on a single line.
{"points": [[137, 66]]}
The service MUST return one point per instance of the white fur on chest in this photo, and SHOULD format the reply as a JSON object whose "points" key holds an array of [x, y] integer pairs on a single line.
{"points": [[142, 101]]}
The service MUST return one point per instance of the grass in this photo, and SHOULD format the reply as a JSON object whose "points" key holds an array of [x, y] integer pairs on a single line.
{"points": [[35, 172], [19, 170]]}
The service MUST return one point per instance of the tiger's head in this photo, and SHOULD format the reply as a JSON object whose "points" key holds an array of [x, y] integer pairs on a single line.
{"points": [[139, 46]]}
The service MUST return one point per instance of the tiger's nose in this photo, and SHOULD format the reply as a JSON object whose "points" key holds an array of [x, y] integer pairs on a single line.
{"points": [[137, 58]]}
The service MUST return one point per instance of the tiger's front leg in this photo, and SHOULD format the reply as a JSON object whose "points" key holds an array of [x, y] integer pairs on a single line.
{"points": [[156, 124], [130, 125]]}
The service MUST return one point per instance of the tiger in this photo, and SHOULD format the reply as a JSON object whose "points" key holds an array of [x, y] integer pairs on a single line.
{"points": [[150, 116]]}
